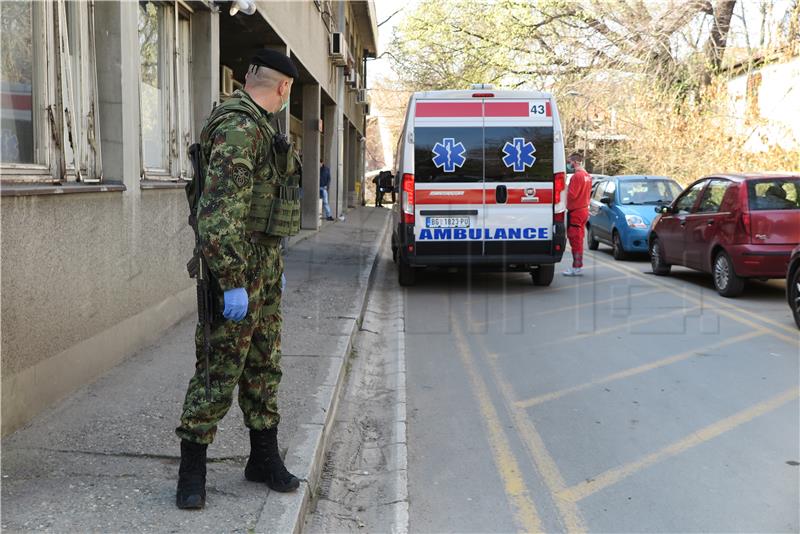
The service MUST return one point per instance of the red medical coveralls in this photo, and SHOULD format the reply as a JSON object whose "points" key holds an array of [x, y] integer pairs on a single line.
{"points": [[580, 190]]}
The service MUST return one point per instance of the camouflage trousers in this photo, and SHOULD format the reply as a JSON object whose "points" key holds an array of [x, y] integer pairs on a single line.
{"points": [[246, 354]]}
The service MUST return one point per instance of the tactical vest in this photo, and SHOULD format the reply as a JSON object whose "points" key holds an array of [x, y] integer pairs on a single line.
{"points": [[275, 204]]}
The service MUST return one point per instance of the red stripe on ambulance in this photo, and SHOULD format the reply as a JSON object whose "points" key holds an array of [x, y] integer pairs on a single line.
{"points": [[449, 109], [476, 196], [506, 109]]}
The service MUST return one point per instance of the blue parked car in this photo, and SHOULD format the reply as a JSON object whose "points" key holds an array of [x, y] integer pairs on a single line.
{"points": [[621, 211]]}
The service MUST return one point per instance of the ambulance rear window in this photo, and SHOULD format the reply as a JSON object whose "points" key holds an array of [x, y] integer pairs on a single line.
{"points": [[519, 154], [448, 154]]}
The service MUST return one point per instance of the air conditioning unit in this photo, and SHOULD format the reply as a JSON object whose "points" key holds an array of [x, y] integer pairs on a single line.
{"points": [[366, 108], [352, 79], [226, 81], [338, 49], [362, 97]]}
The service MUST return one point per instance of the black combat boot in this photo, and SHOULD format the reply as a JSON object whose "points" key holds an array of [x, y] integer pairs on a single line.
{"points": [[191, 492], [265, 464]]}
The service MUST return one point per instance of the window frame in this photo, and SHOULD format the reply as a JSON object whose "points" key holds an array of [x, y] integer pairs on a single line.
{"points": [[175, 90], [707, 189], [53, 100], [85, 126], [693, 208]]}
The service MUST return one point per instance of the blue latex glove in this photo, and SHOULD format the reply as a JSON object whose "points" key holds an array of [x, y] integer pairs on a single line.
{"points": [[235, 304]]}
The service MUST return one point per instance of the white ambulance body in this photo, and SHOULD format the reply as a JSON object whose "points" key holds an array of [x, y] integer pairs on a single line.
{"points": [[481, 175]]}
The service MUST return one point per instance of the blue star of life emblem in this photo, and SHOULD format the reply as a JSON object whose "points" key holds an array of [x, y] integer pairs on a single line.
{"points": [[519, 154], [448, 154]]}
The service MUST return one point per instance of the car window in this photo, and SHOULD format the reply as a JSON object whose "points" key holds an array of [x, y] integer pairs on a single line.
{"points": [[774, 194], [611, 187], [647, 191], [598, 190], [712, 196], [687, 200]]}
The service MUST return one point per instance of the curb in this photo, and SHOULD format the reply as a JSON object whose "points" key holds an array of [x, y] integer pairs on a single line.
{"points": [[286, 512]]}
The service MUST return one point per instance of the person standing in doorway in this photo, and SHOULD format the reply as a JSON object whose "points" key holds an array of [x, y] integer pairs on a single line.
{"points": [[324, 183], [578, 197]]}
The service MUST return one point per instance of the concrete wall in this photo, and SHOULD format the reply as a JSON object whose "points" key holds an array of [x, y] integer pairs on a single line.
{"points": [[75, 268], [776, 88]]}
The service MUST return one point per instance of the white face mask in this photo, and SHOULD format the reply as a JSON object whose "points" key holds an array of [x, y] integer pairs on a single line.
{"points": [[284, 104]]}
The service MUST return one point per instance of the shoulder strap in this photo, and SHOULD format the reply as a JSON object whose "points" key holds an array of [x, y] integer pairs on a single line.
{"points": [[242, 105]]}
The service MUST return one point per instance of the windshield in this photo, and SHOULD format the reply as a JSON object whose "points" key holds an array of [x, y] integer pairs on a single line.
{"points": [[647, 191]]}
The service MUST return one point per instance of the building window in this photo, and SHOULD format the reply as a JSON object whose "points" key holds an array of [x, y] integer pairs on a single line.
{"points": [[165, 90], [48, 107], [79, 86], [16, 37]]}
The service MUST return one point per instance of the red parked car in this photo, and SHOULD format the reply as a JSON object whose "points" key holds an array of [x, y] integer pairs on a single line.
{"points": [[793, 285], [734, 226]]}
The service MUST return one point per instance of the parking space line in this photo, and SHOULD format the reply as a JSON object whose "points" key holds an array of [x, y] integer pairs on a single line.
{"points": [[594, 303], [513, 482], [545, 465], [485, 324], [592, 485], [726, 309], [610, 329], [585, 282], [633, 371]]}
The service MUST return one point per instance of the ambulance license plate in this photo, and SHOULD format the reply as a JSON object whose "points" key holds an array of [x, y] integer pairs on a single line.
{"points": [[447, 222]]}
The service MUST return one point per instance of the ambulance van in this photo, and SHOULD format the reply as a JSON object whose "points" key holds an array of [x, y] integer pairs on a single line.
{"points": [[481, 176]]}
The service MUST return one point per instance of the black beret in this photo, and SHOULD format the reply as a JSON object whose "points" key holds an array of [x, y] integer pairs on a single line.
{"points": [[275, 60]]}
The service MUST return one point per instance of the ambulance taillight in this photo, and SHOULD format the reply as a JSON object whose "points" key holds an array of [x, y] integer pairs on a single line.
{"points": [[559, 182], [408, 198]]}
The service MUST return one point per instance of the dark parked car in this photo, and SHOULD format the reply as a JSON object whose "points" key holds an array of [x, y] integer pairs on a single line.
{"points": [[793, 285], [735, 226]]}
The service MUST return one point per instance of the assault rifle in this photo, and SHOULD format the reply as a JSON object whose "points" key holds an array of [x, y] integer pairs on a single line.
{"points": [[197, 266]]}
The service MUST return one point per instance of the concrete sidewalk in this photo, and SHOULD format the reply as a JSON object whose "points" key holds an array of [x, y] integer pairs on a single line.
{"points": [[106, 459]]}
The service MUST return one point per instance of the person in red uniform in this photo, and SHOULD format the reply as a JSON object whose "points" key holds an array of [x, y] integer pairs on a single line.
{"points": [[578, 195]]}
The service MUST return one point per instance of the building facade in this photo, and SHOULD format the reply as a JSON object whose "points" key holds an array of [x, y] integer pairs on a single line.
{"points": [[100, 101]]}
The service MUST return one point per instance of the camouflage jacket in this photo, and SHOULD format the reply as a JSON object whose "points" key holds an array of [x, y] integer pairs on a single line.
{"points": [[238, 155]]}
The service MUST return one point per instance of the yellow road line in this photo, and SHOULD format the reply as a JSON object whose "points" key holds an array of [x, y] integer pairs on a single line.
{"points": [[612, 476], [596, 302], [727, 310], [627, 373], [526, 513], [620, 326], [544, 462]]}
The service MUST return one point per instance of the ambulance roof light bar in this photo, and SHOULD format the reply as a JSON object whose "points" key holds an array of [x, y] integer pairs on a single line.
{"points": [[482, 87]]}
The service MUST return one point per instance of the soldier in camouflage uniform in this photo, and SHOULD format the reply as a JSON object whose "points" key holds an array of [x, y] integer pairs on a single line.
{"points": [[241, 173]]}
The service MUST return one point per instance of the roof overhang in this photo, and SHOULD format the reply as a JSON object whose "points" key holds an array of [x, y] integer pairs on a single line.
{"points": [[367, 24]]}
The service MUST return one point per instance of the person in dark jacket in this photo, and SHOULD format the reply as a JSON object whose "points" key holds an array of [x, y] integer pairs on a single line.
{"points": [[324, 182]]}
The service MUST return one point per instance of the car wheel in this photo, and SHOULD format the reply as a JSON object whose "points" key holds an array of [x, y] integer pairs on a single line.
{"points": [[617, 249], [543, 276], [727, 282], [406, 275], [591, 240], [794, 295], [657, 263]]}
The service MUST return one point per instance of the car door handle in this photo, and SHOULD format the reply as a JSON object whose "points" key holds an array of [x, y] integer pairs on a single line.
{"points": [[683, 222], [710, 222], [501, 194]]}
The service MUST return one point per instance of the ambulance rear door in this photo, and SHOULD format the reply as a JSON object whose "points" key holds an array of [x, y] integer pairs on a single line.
{"points": [[448, 179], [518, 180]]}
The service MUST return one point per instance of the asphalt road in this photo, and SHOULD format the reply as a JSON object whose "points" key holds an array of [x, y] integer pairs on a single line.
{"points": [[615, 402]]}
